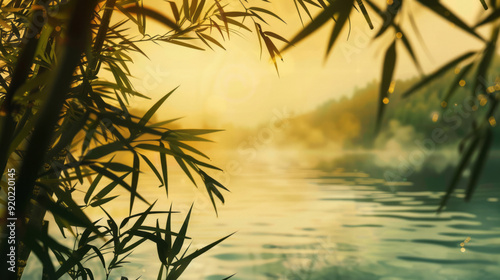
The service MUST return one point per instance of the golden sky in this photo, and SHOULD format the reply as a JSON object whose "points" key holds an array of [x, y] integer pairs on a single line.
{"points": [[236, 87]]}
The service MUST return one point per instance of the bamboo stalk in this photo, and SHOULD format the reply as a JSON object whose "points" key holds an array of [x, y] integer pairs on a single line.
{"points": [[74, 45], [21, 73]]}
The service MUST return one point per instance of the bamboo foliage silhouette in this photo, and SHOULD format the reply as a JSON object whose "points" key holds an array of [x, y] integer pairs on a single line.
{"points": [[61, 123]]}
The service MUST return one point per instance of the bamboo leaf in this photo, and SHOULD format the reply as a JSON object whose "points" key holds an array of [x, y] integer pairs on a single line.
{"points": [[235, 23], [179, 240], [482, 69], [153, 168], [163, 160], [111, 186], [454, 85], [211, 186], [257, 9], [135, 180], [385, 83], [365, 13], [485, 6], [197, 13], [211, 39], [201, 251], [237, 14], [204, 41], [147, 116], [491, 18], [119, 180], [320, 20], [161, 247], [458, 172], [343, 16], [194, 4], [222, 16], [273, 51], [104, 150], [181, 163], [185, 7], [118, 167], [183, 44], [274, 35], [92, 187], [303, 5], [140, 10], [409, 48], [444, 12], [214, 24], [102, 201], [175, 10]]}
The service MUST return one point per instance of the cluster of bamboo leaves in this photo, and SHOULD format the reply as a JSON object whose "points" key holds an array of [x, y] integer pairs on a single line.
{"points": [[62, 124], [474, 65]]}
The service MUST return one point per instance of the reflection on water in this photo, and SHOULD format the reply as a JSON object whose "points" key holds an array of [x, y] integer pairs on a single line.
{"points": [[305, 224]]}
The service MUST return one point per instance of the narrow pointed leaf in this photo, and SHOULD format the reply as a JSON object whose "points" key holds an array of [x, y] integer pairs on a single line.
{"points": [[257, 9], [460, 76], [164, 167], [147, 116], [135, 181], [140, 10], [479, 164], [385, 83], [444, 12], [365, 13], [319, 21], [482, 69], [153, 168], [458, 172], [179, 240]]}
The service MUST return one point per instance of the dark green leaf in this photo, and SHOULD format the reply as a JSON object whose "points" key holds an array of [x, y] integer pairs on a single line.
{"points": [[104, 150], [102, 201], [343, 16], [135, 181], [92, 187], [201, 251], [197, 13], [491, 18], [385, 83], [100, 195], [444, 12], [163, 160], [175, 10], [458, 172], [257, 9], [155, 171], [460, 76], [481, 74], [479, 164], [140, 10], [179, 240], [365, 13], [320, 20], [485, 6], [183, 44], [119, 180]]}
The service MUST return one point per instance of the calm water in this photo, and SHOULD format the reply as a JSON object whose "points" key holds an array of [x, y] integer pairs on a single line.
{"points": [[307, 224]]}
